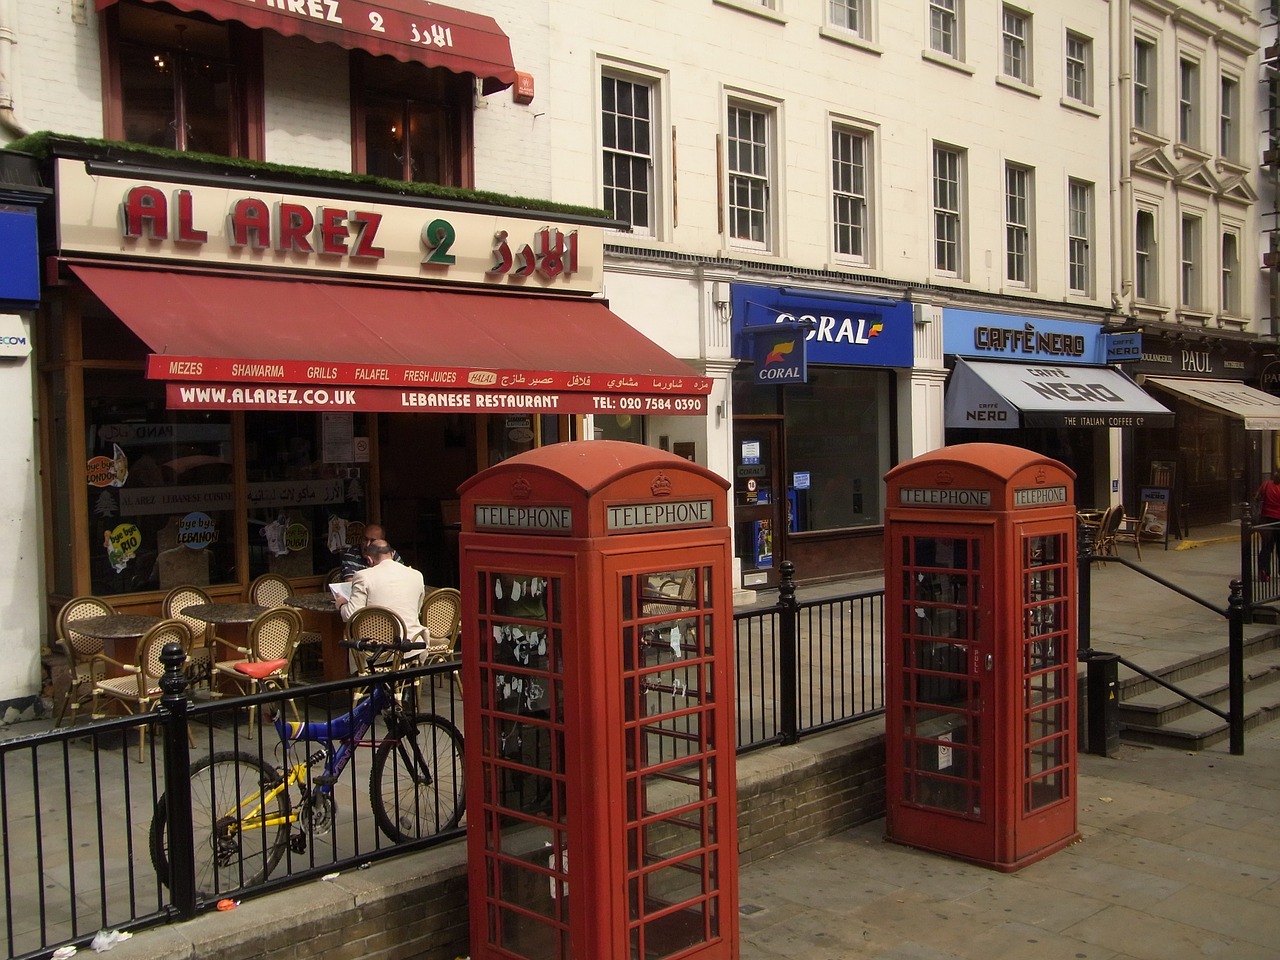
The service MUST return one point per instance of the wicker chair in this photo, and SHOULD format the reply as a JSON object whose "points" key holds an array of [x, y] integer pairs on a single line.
{"points": [[139, 687], [83, 653], [1130, 529], [378, 624], [200, 652], [1104, 542], [264, 664], [272, 590], [442, 617]]}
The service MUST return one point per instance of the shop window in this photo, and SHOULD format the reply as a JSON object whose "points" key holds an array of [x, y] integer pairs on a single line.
{"points": [[850, 191], [1144, 76], [836, 437], [1146, 259], [1018, 189], [178, 81], [413, 123], [159, 490], [1189, 102], [948, 169], [620, 427], [1080, 237], [306, 481], [627, 123], [1079, 69], [1016, 44], [944, 28], [751, 177]]}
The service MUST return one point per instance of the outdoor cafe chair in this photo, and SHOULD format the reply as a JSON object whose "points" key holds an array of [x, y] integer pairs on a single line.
{"points": [[139, 686], [1130, 529], [272, 590], [264, 664], [83, 653], [380, 625], [1104, 539], [442, 617], [200, 654]]}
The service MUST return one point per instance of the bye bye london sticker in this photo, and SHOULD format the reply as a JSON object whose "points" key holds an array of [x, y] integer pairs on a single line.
{"points": [[110, 471]]}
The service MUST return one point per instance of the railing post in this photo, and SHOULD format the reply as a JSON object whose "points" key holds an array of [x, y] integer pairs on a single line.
{"points": [[1235, 667], [177, 781], [1247, 555], [788, 656], [1084, 591]]}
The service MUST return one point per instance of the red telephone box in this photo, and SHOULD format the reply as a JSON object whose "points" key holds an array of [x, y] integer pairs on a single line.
{"points": [[980, 651], [598, 707]]}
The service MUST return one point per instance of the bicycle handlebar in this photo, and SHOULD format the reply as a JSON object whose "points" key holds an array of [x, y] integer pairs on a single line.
{"points": [[367, 643]]}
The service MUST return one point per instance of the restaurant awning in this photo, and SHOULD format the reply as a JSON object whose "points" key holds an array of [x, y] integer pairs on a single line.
{"points": [[232, 342], [1258, 410], [1006, 396], [409, 30]]}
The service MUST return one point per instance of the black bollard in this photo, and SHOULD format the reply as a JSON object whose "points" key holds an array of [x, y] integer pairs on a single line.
{"points": [[788, 656], [177, 778]]}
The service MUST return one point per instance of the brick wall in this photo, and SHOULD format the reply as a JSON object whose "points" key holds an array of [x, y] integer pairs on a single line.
{"points": [[416, 906]]}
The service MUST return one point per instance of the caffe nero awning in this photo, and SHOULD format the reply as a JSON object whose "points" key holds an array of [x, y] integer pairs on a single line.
{"points": [[409, 30], [1012, 395], [233, 342], [1257, 410]]}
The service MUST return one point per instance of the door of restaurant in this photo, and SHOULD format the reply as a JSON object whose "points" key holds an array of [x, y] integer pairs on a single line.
{"points": [[759, 501]]}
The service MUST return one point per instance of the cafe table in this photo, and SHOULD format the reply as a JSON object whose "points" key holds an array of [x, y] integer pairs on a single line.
{"points": [[332, 657], [223, 613], [119, 633]]}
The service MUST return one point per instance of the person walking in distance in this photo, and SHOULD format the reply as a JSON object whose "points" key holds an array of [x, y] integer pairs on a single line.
{"points": [[1267, 507]]}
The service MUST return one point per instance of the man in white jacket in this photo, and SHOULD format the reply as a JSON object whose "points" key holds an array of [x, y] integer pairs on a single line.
{"points": [[386, 583]]}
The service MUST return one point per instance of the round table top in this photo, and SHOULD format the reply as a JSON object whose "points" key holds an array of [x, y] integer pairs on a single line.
{"points": [[225, 612], [319, 602], [115, 626]]}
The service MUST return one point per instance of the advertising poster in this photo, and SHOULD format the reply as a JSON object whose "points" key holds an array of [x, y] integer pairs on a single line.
{"points": [[1159, 502]]}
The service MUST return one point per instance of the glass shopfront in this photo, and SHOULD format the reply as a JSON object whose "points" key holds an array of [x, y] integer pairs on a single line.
{"points": [[809, 456]]}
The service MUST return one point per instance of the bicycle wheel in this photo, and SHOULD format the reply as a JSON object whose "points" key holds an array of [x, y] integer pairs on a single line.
{"points": [[240, 822], [416, 787]]}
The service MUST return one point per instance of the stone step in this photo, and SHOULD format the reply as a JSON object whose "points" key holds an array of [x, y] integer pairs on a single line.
{"points": [[1133, 685], [1201, 729], [1160, 705]]}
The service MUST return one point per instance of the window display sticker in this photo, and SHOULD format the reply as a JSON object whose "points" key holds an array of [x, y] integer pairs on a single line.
{"points": [[197, 530], [122, 545], [945, 758], [297, 537], [110, 471], [750, 451], [337, 437], [800, 480]]}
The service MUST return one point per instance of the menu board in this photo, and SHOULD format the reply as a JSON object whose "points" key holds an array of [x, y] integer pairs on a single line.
{"points": [[1159, 502]]}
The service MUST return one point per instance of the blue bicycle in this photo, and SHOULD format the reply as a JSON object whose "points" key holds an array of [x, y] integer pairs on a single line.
{"points": [[246, 813]]}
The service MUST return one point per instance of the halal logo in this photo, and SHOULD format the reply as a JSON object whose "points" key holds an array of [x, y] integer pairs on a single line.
{"points": [[779, 352]]}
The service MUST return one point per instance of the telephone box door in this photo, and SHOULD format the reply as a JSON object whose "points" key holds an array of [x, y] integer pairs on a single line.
{"points": [[1044, 682], [680, 866], [941, 639]]}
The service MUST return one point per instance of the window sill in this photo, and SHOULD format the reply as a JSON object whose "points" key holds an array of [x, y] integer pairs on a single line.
{"points": [[951, 63], [1151, 139], [1181, 150], [1234, 167], [850, 39], [1194, 315], [1079, 106], [1017, 86], [755, 9]]}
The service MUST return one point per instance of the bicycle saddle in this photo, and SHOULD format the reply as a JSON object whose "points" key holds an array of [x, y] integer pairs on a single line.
{"points": [[260, 669]]}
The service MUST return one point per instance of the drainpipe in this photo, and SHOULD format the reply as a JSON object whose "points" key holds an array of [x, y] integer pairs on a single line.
{"points": [[1122, 156], [9, 125]]}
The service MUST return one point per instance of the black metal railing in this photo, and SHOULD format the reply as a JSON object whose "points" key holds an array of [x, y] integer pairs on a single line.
{"points": [[1100, 665], [77, 806], [808, 665]]}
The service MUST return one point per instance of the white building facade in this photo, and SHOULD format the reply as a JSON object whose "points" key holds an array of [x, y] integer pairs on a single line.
{"points": [[920, 182]]}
